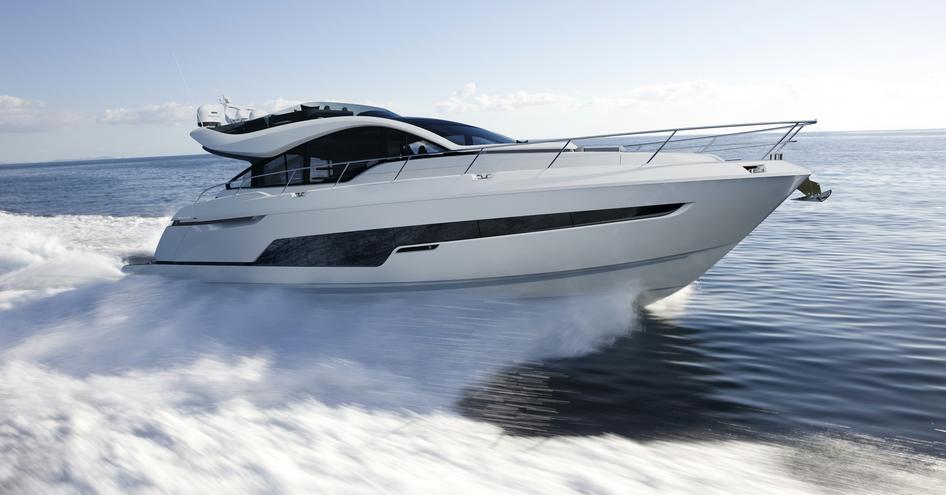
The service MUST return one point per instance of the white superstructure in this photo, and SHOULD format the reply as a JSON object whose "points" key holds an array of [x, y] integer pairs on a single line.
{"points": [[342, 197]]}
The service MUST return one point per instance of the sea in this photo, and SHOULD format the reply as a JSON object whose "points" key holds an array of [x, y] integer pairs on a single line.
{"points": [[811, 359]]}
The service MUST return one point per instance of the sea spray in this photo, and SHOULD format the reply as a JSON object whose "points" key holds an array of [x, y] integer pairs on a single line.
{"points": [[414, 352], [135, 432], [41, 256], [118, 384]]}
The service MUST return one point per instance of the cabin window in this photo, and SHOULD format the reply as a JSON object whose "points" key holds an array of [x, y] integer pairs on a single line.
{"points": [[295, 168], [462, 134], [270, 173], [338, 157], [476, 139], [366, 143], [342, 155], [241, 181], [319, 169], [276, 171]]}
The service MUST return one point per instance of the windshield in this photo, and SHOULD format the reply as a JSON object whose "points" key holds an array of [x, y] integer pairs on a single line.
{"points": [[462, 134]]}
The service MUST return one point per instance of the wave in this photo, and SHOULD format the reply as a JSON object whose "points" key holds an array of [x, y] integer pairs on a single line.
{"points": [[44, 255], [142, 384], [83, 344], [84, 317], [136, 432]]}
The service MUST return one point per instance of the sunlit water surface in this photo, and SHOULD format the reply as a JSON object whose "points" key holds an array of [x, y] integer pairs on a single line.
{"points": [[812, 359]]}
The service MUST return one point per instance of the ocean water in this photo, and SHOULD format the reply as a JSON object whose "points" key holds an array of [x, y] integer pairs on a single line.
{"points": [[812, 359]]}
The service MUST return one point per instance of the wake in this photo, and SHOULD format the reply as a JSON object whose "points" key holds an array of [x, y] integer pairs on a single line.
{"points": [[68, 308], [40, 256], [115, 384]]}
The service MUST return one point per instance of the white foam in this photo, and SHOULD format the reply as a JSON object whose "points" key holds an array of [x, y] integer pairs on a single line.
{"points": [[140, 384], [416, 353], [673, 306], [40, 256], [139, 432]]}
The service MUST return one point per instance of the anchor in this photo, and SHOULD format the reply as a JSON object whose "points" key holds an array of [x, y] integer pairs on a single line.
{"points": [[812, 192]]}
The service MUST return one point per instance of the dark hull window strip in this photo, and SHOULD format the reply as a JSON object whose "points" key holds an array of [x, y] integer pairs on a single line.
{"points": [[373, 247]]}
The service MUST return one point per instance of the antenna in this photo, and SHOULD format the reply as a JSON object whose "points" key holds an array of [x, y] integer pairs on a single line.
{"points": [[187, 87], [240, 112]]}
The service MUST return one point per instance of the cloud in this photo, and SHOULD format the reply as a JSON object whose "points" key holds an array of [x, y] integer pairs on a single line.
{"points": [[469, 99], [12, 102], [24, 115], [165, 113], [271, 106], [657, 94], [697, 91]]}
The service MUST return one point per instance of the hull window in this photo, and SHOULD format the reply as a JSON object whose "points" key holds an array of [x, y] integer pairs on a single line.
{"points": [[362, 248], [372, 247]]}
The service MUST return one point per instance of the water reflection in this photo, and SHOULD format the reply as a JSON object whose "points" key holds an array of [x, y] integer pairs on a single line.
{"points": [[654, 383]]}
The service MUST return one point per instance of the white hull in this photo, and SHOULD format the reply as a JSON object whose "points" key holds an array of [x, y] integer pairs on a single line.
{"points": [[653, 257], [648, 280]]}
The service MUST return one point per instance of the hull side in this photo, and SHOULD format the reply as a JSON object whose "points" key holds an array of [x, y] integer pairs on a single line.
{"points": [[653, 256], [647, 280]]}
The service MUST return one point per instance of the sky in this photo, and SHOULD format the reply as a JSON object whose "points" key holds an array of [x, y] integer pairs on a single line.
{"points": [[94, 79]]}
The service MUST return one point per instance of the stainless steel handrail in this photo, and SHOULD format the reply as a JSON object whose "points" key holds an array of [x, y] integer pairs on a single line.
{"points": [[672, 134], [776, 145], [341, 175], [398, 174], [559, 153], [288, 182], [468, 167], [660, 131], [251, 177], [793, 126], [712, 136]]}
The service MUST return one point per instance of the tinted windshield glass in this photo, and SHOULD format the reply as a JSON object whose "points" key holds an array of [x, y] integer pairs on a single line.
{"points": [[336, 157], [461, 134]]}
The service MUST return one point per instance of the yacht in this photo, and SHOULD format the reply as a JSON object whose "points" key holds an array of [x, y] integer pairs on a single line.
{"points": [[342, 198]]}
